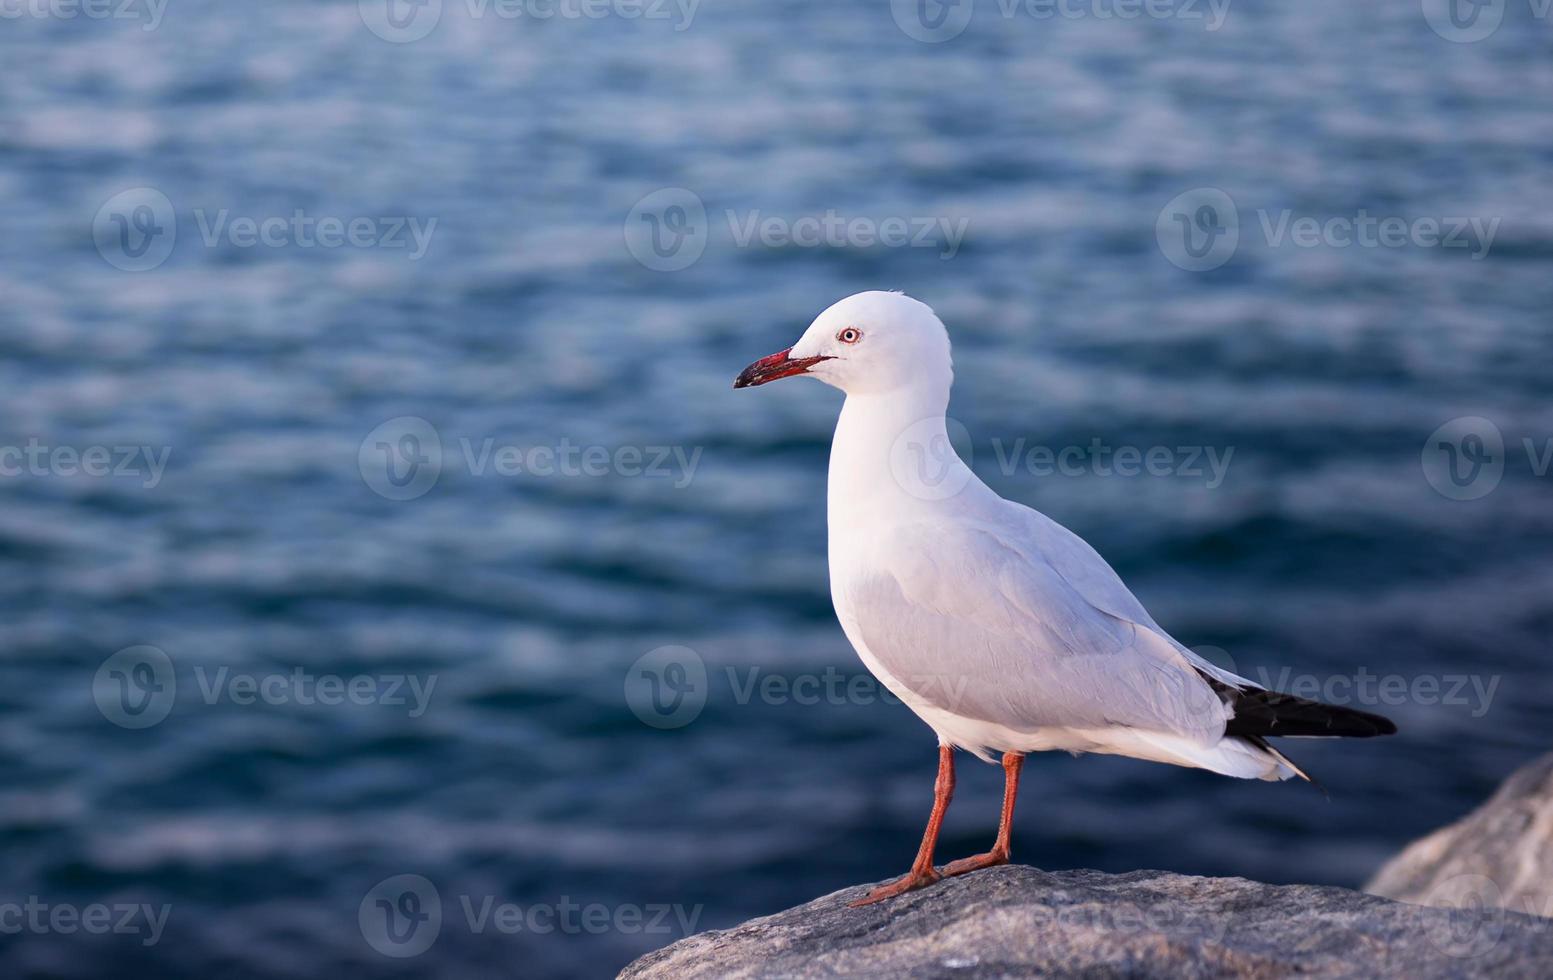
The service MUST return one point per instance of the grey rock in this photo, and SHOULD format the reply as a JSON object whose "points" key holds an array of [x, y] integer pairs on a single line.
{"points": [[1016, 921], [1501, 854]]}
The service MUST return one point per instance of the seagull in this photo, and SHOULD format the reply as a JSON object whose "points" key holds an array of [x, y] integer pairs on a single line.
{"points": [[1001, 629]]}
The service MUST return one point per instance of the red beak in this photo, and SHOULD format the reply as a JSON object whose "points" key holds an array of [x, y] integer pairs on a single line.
{"points": [[778, 365]]}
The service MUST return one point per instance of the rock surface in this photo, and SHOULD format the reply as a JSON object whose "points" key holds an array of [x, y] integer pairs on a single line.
{"points": [[1016, 921], [1501, 854]]}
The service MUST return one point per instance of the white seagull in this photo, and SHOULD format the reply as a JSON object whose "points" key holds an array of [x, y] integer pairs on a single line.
{"points": [[999, 627]]}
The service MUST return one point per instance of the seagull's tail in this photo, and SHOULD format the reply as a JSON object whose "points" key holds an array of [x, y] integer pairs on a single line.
{"points": [[1286, 766], [1243, 750], [1259, 713], [1241, 757]]}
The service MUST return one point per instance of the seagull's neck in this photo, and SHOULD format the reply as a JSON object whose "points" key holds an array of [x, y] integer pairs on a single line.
{"points": [[880, 439]]}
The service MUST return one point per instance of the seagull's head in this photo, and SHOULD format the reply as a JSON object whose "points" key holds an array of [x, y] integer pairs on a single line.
{"points": [[868, 343]]}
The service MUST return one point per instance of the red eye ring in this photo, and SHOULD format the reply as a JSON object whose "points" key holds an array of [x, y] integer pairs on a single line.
{"points": [[850, 335]]}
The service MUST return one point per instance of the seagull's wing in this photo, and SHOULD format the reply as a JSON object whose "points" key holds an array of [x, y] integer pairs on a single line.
{"points": [[1093, 578], [972, 618]]}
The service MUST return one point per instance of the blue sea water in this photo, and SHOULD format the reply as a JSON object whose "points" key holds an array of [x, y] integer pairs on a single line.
{"points": [[274, 379]]}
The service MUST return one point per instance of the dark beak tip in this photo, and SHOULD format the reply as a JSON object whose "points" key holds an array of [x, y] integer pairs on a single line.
{"points": [[768, 368], [778, 365]]}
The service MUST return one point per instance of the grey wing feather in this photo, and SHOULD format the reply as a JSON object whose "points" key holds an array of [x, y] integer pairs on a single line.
{"points": [[978, 625]]}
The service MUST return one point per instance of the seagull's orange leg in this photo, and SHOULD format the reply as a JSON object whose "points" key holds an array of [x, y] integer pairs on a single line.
{"points": [[999, 854], [922, 873]]}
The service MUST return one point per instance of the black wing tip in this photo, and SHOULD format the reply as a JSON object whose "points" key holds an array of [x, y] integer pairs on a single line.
{"points": [[1262, 712], [1383, 725], [1352, 723]]}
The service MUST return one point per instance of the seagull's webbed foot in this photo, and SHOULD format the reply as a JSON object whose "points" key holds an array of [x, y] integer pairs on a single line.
{"points": [[910, 882], [976, 862]]}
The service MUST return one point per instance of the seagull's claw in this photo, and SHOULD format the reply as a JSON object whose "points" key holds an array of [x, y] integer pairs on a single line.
{"points": [[975, 862], [911, 882]]}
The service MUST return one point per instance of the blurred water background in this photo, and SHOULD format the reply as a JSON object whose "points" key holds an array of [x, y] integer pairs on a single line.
{"points": [[269, 547]]}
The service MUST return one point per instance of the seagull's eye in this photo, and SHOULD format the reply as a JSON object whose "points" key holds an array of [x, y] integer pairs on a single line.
{"points": [[850, 335]]}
